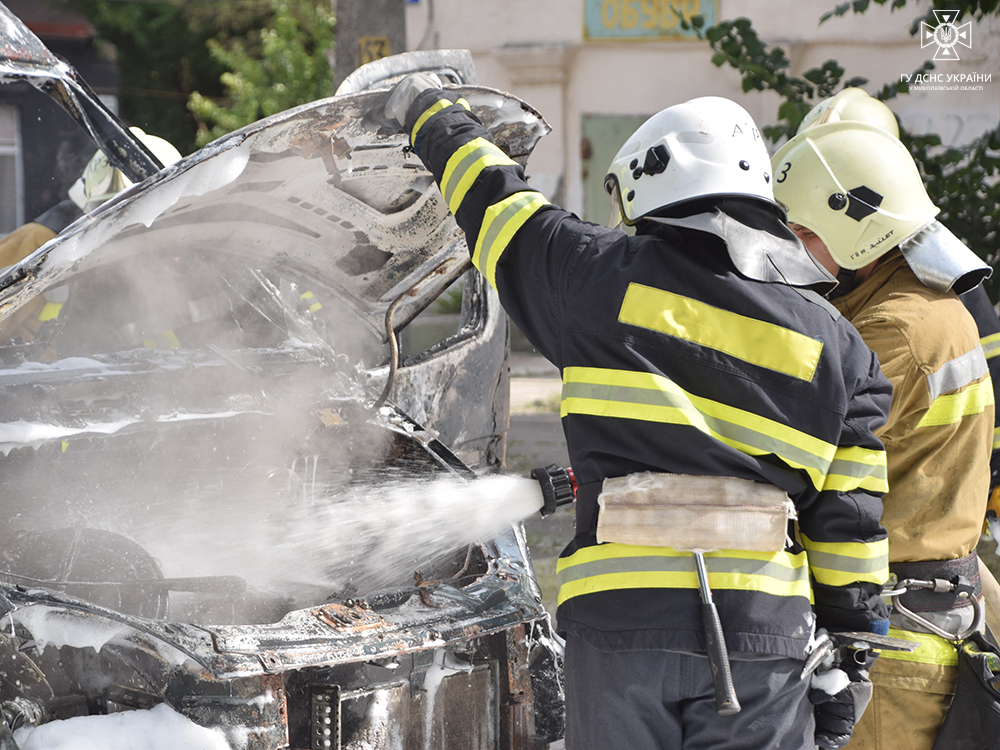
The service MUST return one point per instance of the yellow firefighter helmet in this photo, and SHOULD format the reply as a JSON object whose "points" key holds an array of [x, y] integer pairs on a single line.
{"points": [[855, 186], [854, 105], [101, 181]]}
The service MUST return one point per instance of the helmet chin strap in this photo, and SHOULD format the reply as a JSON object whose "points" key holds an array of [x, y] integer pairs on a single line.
{"points": [[845, 283]]}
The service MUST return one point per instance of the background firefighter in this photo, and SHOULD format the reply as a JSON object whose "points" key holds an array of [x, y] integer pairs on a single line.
{"points": [[854, 104], [99, 183], [855, 197], [684, 351]]}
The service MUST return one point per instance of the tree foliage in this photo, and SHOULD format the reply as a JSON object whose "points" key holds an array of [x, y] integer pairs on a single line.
{"points": [[219, 53], [286, 67], [963, 182], [976, 9], [161, 56]]}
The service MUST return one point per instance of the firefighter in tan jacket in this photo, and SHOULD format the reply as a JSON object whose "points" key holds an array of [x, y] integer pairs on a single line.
{"points": [[99, 183], [855, 198]]}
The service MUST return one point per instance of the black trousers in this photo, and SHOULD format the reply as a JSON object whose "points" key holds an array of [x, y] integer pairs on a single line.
{"points": [[662, 700]]}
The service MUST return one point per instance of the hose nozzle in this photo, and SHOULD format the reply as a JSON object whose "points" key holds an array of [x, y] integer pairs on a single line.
{"points": [[558, 487]]}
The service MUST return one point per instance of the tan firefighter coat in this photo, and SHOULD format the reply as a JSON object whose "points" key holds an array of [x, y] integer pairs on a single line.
{"points": [[940, 429], [938, 440]]}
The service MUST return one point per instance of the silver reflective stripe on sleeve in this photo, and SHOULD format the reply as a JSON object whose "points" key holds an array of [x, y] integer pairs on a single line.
{"points": [[958, 372]]}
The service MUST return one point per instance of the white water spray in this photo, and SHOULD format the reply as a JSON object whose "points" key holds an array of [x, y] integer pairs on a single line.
{"points": [[363, 539]]}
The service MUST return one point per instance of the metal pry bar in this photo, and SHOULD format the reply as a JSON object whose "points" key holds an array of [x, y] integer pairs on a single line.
{"points": [[726, 702]]}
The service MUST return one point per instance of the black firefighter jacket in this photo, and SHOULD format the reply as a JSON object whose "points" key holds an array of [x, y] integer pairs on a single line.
{"points": [[673, 362], [977, 302]]}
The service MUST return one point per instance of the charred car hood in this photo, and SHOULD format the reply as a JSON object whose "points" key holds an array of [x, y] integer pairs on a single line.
{"points": [[328, 190], [376, 627], [218, 327]]}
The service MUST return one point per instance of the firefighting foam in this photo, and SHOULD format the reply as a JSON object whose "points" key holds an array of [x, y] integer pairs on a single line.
{"points": [[356, 542]]}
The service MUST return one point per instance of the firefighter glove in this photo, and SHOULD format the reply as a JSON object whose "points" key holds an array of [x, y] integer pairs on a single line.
{"points": [[840, 694], [405, 94]]}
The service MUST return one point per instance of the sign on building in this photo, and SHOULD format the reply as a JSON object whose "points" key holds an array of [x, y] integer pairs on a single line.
{"points": [[371, 48], [643, 19]]}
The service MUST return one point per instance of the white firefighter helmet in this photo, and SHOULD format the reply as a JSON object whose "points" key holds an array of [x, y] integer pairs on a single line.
{"points": [[853, 185], [708, 146], [101, 181], [855, 105]]}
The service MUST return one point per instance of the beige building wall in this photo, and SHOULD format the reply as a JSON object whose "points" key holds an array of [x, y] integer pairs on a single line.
{"points": [[536, 50]]}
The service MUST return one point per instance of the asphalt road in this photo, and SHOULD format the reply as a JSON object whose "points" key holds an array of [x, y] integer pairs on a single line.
{"points": [[535, 440]]}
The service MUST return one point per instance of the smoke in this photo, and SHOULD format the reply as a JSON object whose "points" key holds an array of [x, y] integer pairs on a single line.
{"points": [[246, 461], [200, 407]]}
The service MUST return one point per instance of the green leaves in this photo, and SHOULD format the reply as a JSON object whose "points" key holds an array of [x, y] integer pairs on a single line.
{"points": [[737, 44], [858, 6], [287, 70], [193, 70], [161, 55], [965, 184]]}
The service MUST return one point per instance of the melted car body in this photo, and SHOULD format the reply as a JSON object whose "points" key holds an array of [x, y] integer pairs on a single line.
{"points": [[198, 380]]}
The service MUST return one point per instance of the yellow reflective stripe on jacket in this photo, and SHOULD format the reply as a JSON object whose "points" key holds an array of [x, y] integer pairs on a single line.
{"points": [[433, 110], [755, 341], [168, 337], [500, 223], [50, 311], [952, 407], [932, 649], [611, 567], [854, 467], [626, 394], [991, 345], [314, 307], [465, 165], [996, 438], [844, 563]]}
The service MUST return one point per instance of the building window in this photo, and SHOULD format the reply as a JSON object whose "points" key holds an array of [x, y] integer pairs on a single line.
{"points": [[11, 208], [602, 136]]}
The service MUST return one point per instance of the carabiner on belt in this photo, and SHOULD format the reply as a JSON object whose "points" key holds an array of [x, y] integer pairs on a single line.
{"points": [[937, 585]]}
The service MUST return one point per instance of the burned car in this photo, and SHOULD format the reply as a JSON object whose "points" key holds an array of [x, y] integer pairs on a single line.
{"points": [[217, 461]]}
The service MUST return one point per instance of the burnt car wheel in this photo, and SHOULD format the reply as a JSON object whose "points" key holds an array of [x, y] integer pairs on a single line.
{"points": [[102, 567]]}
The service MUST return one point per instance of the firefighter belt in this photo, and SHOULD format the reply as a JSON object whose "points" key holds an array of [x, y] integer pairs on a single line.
{"points": [[693, 512]]}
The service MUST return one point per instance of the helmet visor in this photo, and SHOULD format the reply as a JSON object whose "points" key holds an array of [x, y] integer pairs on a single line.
{"points": [[616, 218]]}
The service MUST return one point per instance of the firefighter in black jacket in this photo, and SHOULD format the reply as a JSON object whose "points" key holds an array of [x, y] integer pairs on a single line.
{"points": [[697, 361]]}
